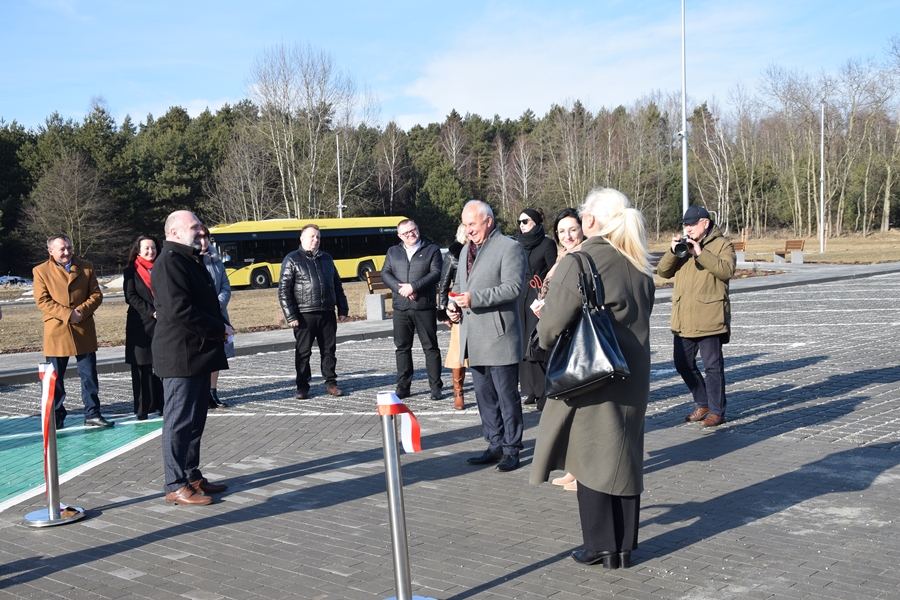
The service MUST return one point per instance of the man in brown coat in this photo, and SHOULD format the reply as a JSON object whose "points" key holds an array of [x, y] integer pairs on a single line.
{"points": [[67, 292]]}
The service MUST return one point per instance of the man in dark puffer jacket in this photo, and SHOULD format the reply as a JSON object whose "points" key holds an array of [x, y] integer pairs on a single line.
{"points": [[412, 269], [308, 290]]}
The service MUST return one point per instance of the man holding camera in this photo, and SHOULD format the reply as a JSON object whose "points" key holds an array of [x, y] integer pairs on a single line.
{"points": [[702, 263]]}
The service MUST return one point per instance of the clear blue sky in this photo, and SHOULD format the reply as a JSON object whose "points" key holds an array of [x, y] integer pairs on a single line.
{"points": [[420, 58]]}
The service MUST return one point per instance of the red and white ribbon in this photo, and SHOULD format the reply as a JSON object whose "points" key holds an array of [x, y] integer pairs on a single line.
{"points": [[390, 404], [48, 411]]}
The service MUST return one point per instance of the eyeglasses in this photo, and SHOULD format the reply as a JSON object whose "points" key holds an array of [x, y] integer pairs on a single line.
{"points": [[408, 233], [524, 221]]}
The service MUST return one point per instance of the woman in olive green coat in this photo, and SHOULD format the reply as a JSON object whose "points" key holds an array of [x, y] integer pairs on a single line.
{"points": [[599, 437]]}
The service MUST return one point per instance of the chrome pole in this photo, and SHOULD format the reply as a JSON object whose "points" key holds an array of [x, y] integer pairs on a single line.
{"points": [[394, 483], [52, 515]]}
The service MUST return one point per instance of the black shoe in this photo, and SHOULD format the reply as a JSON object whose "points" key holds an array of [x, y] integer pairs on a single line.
{"points": [[60, 424], [302, 395], [609, 558], [141, 417], [487, 458], [508, 463], [402, 392], [437, 394], [98, 422], [625, 559], [529, 399], [214, 400]]}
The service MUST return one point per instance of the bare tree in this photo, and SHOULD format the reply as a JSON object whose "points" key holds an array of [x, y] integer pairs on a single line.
{"points": [[392, 164], [300, 94], [69, 199], [500, 177], [525, 176], [243, 187], [455, 145]]}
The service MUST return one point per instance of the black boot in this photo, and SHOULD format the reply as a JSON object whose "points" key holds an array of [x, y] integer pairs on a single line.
{"points": [[214, 401]]}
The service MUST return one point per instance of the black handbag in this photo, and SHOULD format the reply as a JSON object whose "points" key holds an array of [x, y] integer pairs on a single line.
{"points": [[587, 355]]}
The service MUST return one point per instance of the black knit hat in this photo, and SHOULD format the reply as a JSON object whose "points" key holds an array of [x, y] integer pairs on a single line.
{"points": [[534, 215]]}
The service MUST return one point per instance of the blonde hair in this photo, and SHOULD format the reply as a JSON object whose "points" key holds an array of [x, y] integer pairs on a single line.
{"points": [[620, 224], [461, 236]]}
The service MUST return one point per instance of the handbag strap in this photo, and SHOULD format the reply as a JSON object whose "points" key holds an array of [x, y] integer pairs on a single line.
{"points": [[591, 271]]}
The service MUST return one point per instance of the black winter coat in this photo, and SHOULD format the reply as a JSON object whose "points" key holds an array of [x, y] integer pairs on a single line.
{"points": [[422, 272], [139, 321], [310, 283], [448, 277], [540, 259], [189, 325]]}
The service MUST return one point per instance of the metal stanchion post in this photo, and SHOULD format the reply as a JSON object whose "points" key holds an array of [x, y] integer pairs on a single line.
{"points": [[55, 513], [394, 483]]}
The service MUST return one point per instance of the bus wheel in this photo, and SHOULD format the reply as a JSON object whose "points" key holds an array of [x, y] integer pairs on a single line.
{"points": [[366, 267], [259, 279]]}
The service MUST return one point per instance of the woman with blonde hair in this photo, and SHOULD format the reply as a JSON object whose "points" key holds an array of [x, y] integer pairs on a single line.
{"points": [[448, 277], [598, 437]]}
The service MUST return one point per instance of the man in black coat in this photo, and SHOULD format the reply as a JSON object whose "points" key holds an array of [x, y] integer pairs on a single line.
{"points": [[412, 270], [309, 288], [188, 345]]}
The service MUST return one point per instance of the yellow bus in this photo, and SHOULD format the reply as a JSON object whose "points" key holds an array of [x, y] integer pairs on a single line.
{"points": [[253, 251]]}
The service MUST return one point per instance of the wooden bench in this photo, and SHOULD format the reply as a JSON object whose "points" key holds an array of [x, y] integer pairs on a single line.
{"points": [[739, 249], [792, 247], [378, 293]]}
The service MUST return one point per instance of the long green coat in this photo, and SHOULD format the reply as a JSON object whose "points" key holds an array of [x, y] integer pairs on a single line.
{"points": [[599, 437]]}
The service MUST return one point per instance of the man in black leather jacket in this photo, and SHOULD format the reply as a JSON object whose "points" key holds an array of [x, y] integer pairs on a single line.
{"points": [[412, 269], [309, 289]]}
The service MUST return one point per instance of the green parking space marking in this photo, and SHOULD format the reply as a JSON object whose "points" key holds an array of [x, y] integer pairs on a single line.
{"points": [[78, 448]]}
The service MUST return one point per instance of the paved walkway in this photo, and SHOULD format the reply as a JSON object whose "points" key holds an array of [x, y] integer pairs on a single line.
{"points": [[794, 497]]}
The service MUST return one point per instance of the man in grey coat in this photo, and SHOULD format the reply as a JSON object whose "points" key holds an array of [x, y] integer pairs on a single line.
{"points": [[490, 279]]}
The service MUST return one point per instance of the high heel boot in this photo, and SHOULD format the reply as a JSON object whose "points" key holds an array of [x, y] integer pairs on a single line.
{"points": [[459, 376]]}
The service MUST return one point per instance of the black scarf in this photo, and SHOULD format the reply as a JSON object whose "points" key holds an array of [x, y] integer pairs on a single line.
{"points": [[531, 239]]}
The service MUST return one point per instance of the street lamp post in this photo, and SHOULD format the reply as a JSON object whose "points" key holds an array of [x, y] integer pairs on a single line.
{"points": [[684, 134], [822, 185]]}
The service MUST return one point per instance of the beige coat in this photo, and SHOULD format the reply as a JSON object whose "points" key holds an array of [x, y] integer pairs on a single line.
{"points": [[58, 294], [599, 437]]}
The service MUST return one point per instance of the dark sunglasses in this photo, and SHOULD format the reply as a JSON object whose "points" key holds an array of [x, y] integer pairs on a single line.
{"points": [[524, 221]]}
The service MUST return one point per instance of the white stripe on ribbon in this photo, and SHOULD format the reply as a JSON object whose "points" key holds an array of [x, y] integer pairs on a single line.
{"points": [[410, 434]]}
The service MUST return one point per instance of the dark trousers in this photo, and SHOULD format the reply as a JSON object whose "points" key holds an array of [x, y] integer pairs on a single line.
{"points": [[711, 391], [184, 418], [497, 395], [147, 389], [90, 384], [321, 327], [424, 324], [608, 522]]}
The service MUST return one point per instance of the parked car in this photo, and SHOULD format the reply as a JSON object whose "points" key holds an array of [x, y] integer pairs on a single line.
{"points": [[10, 280]]}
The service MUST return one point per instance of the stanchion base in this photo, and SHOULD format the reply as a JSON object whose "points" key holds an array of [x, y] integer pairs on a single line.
{"points": [[413, 598], [41, 518]]}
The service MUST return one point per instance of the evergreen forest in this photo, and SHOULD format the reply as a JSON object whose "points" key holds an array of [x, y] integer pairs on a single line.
{"points": [[307, 140]]}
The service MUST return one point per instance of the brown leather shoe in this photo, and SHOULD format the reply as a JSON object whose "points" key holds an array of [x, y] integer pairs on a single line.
{"points": [[335, 391], [698, 414], [205, 486], [187, 495], [712, 420]]}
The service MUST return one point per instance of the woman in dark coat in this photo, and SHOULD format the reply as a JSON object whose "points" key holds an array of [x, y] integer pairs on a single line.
{"points": [[599, 437], [540, 252], [139, 326]]}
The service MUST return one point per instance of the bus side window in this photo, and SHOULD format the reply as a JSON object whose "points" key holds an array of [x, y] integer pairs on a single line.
{"points": [[227, 252]]}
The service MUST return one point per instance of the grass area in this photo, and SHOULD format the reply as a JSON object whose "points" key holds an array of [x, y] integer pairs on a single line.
{"points": [[21, 328]]}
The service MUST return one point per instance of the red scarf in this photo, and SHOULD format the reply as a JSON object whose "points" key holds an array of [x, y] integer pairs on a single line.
{"points": [[144, 267]]}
